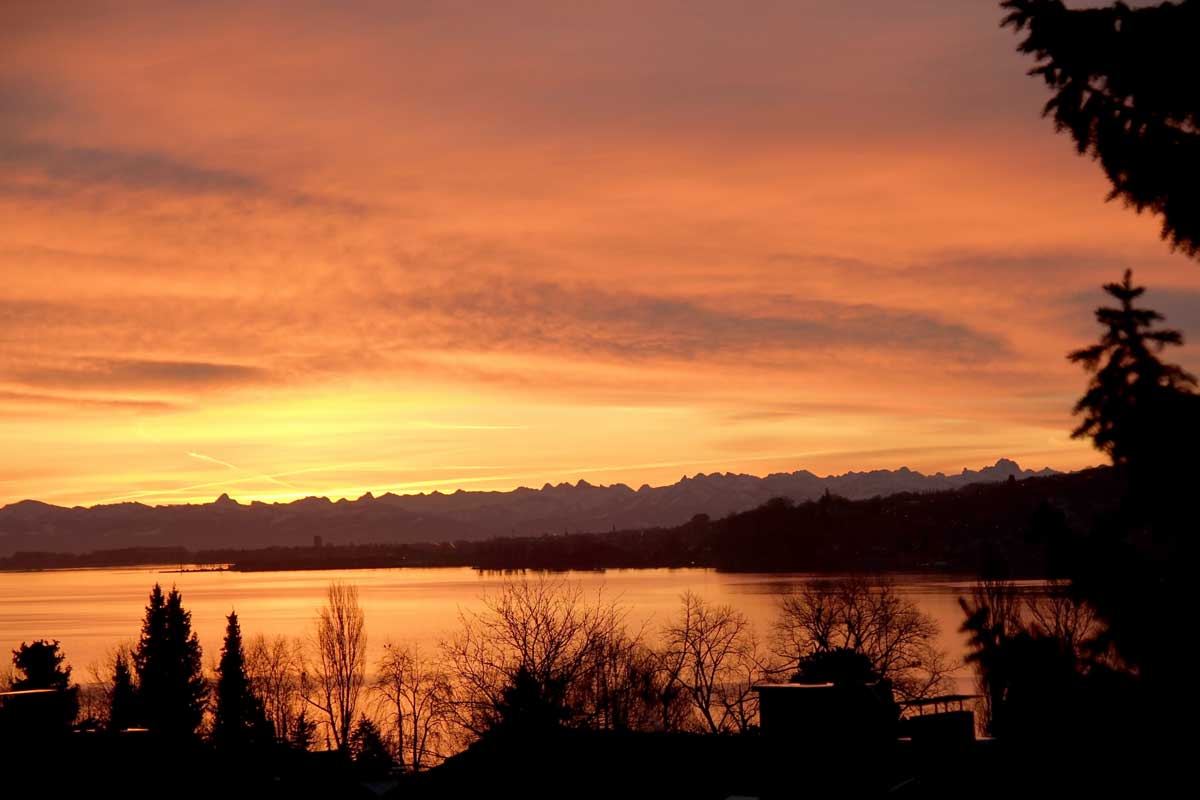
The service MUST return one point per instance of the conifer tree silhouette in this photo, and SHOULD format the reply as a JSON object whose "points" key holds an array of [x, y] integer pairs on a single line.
{"points": [[42, 665], [1124, 82], [240, 721], [1145, 414], [1129, 383], [123, 711], [171, 686]]}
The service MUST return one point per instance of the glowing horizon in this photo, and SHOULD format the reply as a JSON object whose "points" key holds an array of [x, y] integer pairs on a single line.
{"points": [[494, 483]]}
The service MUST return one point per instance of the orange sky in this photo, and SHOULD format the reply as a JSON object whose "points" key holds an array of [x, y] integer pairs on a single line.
{"points": [[292, 248]]}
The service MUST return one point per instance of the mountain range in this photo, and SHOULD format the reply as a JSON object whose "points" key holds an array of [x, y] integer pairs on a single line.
{"points": [[30, 525]]}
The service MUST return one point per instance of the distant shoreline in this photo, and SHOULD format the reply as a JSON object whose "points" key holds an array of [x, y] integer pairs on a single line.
{"points": [[992, 528], [157, 569]]}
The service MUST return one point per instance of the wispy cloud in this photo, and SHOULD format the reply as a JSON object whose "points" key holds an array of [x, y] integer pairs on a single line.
{"points": [[82, 402], [104, 373], [508, 314], [93, 166]]}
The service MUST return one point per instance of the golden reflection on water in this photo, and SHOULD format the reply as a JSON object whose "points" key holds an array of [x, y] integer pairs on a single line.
{"points": [[92, 611]]}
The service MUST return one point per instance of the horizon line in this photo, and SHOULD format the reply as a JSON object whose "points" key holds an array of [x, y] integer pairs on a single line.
{"points": [[351, 494]]}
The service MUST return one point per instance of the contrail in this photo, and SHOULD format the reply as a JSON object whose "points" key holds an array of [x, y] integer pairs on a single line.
{"points": [[203, 457], [236, 468], [210, 484]]}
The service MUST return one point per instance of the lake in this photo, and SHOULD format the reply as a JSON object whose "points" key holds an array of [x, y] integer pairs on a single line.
{"points": [[92, 611]]}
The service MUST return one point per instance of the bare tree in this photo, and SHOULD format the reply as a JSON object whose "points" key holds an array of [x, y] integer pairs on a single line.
{"points": [[870, 617], [671, 702], [107, 681], [1003, 619], [711, 652], [627, 688], [274, 667], [333, 679], [540, 636], [419, 702], [95, 695], [101, 676], [1056, 614], [751, 666]]}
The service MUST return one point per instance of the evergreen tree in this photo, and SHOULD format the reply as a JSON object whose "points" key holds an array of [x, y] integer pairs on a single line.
{"points": [[123, 703], [41, 665], [1145, 414], [1124, 82], [532, 705], [1131, 387], [172, 688], [240, 720], [367, 748], [304, 735]]}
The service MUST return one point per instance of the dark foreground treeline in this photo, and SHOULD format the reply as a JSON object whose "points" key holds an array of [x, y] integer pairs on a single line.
{"points": [[545, 680], [964, 531]]}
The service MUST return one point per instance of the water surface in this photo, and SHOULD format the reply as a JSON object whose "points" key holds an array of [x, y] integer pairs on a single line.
{"points": [[92, 611]]}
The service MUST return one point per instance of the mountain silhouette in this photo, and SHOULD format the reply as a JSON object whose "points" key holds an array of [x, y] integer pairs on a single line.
{"points": [[30, 525]]}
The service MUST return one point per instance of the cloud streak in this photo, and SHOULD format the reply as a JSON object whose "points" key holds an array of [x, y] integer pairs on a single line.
{"points": [[134, 374], [36, 400], [508, 314], [90, 166]]}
